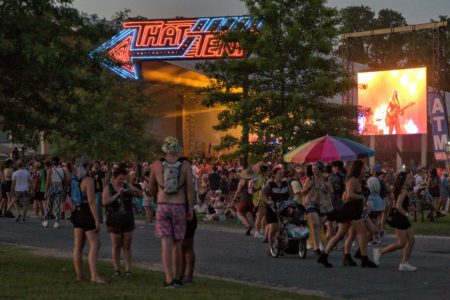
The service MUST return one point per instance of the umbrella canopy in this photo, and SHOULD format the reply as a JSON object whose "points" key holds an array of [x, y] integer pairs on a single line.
{"points": [[328, 149]]}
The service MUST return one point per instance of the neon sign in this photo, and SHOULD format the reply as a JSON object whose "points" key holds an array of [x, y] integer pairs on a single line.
{"points": [[171, 39]]}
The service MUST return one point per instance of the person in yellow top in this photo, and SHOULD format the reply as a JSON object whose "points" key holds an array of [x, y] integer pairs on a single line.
{"points": [[258, 184]]}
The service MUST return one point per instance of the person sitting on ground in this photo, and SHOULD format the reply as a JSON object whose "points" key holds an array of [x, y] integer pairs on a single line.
{"points": [[217, 203]]}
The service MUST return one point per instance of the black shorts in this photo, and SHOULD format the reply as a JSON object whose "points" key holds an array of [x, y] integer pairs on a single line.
{"points": [[120, 225], [271, 216], [350, 211], [6, 187], [191, 227], [40, 196], [82, 218], [398, 221]]}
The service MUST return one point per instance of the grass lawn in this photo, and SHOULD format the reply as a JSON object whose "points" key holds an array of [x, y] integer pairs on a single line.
{"points": [[441, 226], [25, 275]]}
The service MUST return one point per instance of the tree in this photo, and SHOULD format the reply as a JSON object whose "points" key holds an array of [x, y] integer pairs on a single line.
{"points": [[50, 86], [287, 79]]}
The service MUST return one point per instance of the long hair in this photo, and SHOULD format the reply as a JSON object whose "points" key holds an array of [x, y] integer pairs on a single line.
{"points": [[355, 169], [399, 183]]}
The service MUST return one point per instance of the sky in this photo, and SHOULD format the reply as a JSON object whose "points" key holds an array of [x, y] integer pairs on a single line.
{"points": [[415, 11]]}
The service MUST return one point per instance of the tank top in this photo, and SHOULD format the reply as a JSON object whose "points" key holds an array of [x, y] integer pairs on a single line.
{"points": [[57, 174], [122, 204], [279, 193]]}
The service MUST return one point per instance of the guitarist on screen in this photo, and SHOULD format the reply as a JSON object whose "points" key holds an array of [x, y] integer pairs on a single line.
{"points": [[394, 112]]}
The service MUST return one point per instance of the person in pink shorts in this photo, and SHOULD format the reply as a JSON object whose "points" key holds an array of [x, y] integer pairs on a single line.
{"points": [[172, 181]]}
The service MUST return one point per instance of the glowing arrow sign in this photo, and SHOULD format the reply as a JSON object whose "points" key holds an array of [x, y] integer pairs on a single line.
{"points": [[171, 39]]}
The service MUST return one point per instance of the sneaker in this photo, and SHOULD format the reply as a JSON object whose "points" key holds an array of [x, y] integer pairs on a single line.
{"points": [[56, 225], [376, 256], [258, 235], [406, 267], [177, 283], [23, 220], [318, 252], [18, 218], [372, 243], [45, 224]]}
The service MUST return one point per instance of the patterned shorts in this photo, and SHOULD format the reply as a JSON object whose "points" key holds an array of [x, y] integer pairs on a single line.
{"points": [[171, 221]]}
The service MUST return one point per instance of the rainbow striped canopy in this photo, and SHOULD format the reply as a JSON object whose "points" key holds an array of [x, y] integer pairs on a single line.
{"points": [[328, 149]]}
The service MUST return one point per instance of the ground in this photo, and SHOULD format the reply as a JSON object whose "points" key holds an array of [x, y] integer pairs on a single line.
{"points": [[227, 253]]}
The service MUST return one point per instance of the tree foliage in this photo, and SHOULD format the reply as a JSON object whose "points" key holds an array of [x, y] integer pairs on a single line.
{"points": [[390, 51], [49, 85], [287, 79]]}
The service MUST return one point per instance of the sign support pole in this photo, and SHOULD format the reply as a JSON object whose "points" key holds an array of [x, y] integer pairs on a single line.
{"points": [[372, 146], [400, 150]]}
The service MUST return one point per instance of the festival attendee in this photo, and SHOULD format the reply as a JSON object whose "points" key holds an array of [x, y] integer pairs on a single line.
{"points": [[244, 194], [38, 194], [6, 188], [214, 179], [187, 248], [317, 192], [377, 199], [434, 190], [148, 199], [445, 187], [21, 187], [118, 200], [338, 180], [258, 202], [171, 177], [99, 177], [274, 192], [399, 221], [350, 215], [57, 179], [217, 205], [85, 220]]}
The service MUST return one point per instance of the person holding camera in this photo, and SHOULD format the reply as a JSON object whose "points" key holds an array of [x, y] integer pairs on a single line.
{"points": [[118, 199]]}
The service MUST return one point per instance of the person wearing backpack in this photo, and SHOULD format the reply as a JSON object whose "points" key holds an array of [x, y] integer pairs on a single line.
{"points": [[85, 220], [377, 200], [171, 180]]}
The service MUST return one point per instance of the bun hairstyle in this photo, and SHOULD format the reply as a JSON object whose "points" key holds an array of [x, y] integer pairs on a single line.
{"points": [[120, 170], [81, 166]]}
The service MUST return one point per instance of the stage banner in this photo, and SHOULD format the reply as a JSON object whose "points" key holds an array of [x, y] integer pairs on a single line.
{"points": [[439, 124]]}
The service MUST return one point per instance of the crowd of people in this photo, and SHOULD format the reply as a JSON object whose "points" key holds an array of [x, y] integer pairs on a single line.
{"points": [[342, 202]]}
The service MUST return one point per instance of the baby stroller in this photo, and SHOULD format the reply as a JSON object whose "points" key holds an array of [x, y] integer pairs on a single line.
{"points": [[293, 231]]}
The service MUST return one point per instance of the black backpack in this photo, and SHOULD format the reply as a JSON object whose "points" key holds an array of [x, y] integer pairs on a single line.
{"points": [[383, 189]]}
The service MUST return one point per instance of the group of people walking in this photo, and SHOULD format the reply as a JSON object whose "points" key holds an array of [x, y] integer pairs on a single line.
{"points": [[341, 204]]}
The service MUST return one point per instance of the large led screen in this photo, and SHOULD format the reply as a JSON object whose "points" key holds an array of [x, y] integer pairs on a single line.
{"points": [[392, 102]]}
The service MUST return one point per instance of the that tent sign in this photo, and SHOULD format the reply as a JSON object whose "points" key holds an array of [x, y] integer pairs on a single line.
{"points": [[439, 124], [171, 39]]}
